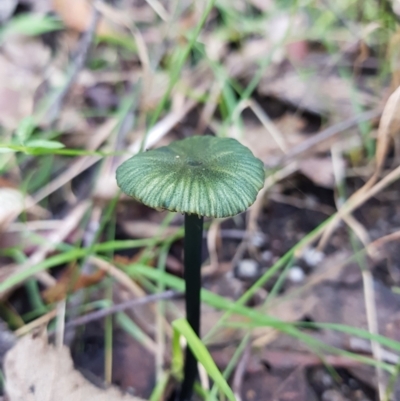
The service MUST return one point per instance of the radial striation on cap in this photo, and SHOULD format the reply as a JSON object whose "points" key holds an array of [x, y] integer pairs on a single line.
{"points": [[203, 175]]}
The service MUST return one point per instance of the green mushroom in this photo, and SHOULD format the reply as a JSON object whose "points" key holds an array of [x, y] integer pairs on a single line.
{"points": [[201, 176]]}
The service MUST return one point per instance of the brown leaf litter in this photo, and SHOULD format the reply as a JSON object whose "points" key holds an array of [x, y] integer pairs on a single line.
{"points": [[71, 281], [37, 371]]}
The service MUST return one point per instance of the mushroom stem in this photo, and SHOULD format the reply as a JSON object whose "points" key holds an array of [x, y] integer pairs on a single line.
{"points": [[192, 274]]}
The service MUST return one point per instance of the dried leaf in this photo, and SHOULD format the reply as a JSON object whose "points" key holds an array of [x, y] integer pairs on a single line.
{"points": [[71, 282], [11, 204], [321, 93], [28, 54], [77, 14], [146, 229], [16, 93], [319, 170], [37, 371], [22, 64], [261, 143]]}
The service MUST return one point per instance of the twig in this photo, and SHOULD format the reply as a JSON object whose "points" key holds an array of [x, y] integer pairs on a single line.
{"points": [[339, 174], [292, 359], [39, 322], [77, 298], [240, 372], [360, 345], [70, 223], [373, 249], [267, 123], [329, 133], [209, 107], [353, 203], [356, 200], [60, 326], [125, 21], [212, 239], [158, 7], [369, 294], [79, 62], [289, 165], [271, 180], [80, 164], [92, 316], [372, 320]]}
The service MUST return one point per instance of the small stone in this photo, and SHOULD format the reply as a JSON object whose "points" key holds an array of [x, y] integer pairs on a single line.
{"points": [[353, 384], [312, 256], [332, 395], [267, 256], [258, 239], [326, 379], [296, 274], [247, 269], [7, 7]]}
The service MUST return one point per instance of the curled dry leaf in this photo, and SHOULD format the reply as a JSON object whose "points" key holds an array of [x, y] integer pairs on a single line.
{"points": [[389, 126], [37, 371], [71, 281]]}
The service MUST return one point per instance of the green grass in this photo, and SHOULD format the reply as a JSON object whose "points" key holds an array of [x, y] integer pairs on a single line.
{"points": [[203, 356]]}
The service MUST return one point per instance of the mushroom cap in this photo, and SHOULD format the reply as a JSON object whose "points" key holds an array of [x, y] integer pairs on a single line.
{"points": [[203, 175]]}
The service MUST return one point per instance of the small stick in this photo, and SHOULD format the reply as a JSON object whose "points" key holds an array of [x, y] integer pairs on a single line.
{"points": [[54, 110], [372, 321], [240, 371], [60, 326], [329, 133], [92, 316]]}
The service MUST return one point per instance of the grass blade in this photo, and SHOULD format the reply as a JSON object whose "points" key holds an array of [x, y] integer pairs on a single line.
{"points": [[203, 356]]}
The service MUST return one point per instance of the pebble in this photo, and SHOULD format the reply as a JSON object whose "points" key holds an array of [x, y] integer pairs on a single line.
{"points": [[247, 269], [313, 257], [296, 274], [332, 395], [258, 239], [267, 256]]}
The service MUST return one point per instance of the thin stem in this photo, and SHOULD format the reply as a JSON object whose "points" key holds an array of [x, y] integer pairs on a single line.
{"points": [[192, 275]]}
